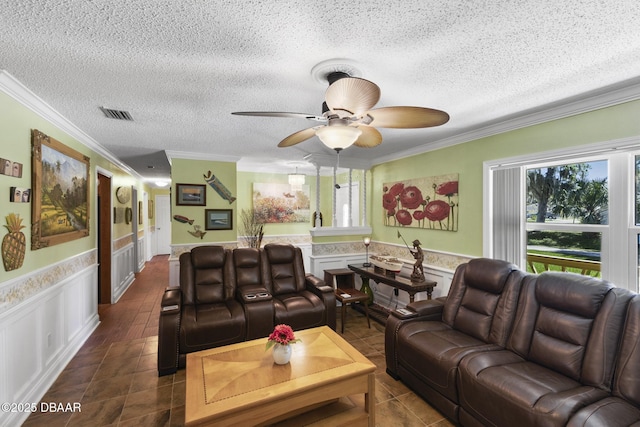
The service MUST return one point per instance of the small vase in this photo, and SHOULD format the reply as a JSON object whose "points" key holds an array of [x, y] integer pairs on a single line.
{"points": [[281, 354], [366, 289]]}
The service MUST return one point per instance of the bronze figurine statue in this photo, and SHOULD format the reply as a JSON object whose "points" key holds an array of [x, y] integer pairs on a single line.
{"points": [[418, 270]]}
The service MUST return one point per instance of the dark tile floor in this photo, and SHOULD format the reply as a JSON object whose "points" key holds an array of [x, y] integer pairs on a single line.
{"points": [[114, 376]]}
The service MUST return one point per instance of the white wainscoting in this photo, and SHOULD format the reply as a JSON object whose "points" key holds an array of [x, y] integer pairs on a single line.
{"points": [[153, 245], [320, 263], [174, 272], [141, 253], [122, 275], [40, 335]]}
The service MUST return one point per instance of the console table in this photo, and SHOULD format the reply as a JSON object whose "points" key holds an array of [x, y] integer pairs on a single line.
{"points": [[398, 281]]}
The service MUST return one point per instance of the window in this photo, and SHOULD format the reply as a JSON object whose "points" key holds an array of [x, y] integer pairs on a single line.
{"points": [[569, 193], [568, 211], [563, 203]]}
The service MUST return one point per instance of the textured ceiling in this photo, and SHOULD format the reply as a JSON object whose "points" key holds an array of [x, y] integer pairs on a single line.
{"points": [[180, 67]]}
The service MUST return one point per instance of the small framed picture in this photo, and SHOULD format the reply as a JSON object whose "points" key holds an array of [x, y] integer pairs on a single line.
{"points": [[191, 195], [20, 195], [9, 168], [218, 219]]}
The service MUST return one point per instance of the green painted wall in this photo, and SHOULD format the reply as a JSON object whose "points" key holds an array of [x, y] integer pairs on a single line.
{"points": [[16, 123], [185, 171], [621, 121], [245, 200]]}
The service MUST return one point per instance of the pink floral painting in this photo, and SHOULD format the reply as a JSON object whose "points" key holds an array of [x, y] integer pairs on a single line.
{"points": [[430, 203]]}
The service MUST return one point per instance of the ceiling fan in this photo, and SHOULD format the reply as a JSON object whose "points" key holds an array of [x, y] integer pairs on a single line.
{"points": [[348, 117]]}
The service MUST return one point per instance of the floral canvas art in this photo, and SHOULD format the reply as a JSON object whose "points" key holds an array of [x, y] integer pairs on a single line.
{"points": [[430, 203], [278, 203]]}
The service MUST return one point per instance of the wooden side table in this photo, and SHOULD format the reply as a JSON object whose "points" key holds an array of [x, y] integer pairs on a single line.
{"points": [[351, 295], [344, 278]]}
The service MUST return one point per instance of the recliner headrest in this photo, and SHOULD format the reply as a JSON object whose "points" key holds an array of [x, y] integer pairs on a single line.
{"points": [[572, 293], [208, 256], [488, 274], [279, 254], [246, 257]]}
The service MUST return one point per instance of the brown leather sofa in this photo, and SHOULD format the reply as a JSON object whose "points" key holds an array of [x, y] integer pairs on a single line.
{"points": [[483, 357], [300, 301], [622, 407], [228, 296]]}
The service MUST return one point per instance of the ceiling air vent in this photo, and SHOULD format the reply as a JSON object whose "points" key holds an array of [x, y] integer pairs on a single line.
{"points": [[116, 114]]}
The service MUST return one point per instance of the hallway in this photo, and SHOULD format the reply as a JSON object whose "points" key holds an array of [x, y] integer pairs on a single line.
{"points": [[114, 375]]}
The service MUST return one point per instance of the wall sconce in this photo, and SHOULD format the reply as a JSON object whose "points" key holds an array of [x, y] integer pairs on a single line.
{"points": [[367, 242]]}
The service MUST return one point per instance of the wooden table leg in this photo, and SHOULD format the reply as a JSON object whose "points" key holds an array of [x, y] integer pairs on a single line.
{"points": [[370, 400], [366, 312], [343, 315]]}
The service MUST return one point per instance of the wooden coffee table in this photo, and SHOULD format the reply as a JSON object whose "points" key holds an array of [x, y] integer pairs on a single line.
{"points": [[240, 384]]}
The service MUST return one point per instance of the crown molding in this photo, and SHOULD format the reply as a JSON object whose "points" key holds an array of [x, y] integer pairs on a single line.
{"points": [[187, 155], [12, 87], [324, 160], [590, 101]]}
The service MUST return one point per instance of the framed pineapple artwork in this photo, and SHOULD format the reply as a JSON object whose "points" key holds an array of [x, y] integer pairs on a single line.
{"points": [[14, 243], [60, 192]]}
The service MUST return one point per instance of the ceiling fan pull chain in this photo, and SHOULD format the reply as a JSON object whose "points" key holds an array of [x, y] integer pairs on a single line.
{"points": [[335, 171]]}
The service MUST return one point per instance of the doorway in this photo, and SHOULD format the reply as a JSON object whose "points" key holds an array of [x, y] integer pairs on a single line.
{"points": [[163, 225], [104, 239]]}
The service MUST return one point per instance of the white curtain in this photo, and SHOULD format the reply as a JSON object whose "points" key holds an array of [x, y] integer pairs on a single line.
{"points": [[508, 232]]}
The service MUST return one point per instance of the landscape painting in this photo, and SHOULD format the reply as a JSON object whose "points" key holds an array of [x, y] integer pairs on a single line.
{"points": [[280, 203], [60, 195], [430, 203]]}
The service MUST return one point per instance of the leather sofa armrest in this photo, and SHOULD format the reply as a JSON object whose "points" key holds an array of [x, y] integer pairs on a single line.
{"points": [[328, 296], [425, 309], [171, 297], [169, 331], [252, 294], [317, 283]]}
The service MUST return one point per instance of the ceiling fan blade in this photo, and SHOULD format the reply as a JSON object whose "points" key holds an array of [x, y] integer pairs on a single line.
{"points": [[370, 137], [298, 137], [407, 117], [352, 94], [280, 114]]}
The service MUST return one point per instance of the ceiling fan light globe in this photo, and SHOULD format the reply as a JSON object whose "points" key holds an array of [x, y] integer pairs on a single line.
{"points": [[338, 137]]}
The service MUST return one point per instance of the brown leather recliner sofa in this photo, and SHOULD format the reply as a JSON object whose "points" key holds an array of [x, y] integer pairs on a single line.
{"points": [[229, 296], [508, 348]]}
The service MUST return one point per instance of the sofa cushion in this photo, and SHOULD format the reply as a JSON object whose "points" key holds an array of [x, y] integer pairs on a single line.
{"points": [[431, 351], [483, 298], [208, 269], [499, 387], [246, 262], [608, 412], [211, 325], [299, 310], [283, 269], [571, 324]]}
